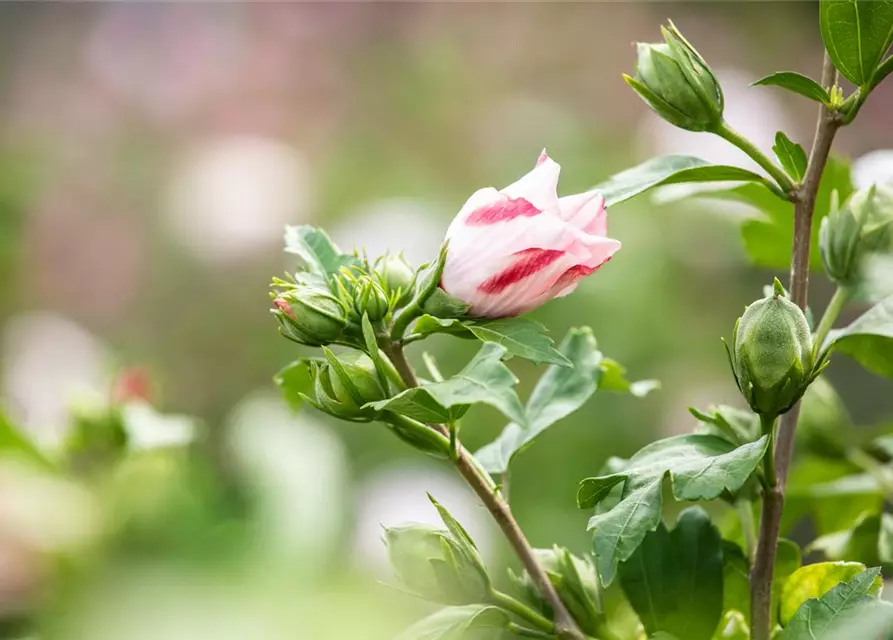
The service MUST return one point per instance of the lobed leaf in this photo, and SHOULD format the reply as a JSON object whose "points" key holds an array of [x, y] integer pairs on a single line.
{"points": [[701, 467], [520, 336], [485, 379], [674, 580], [823, 617], [560, 391], [320, 255], [868, 339]]}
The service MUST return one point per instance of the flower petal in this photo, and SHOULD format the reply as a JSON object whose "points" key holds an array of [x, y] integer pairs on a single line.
{"points": [[586, 211], [512, 290], [539, 187]]}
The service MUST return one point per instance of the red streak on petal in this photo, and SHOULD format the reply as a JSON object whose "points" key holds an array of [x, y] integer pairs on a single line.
{"points": [[530, 262], [576, 272], [507, 209]]}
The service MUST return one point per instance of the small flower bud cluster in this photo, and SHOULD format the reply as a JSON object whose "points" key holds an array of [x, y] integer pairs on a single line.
{"points": [[317, 313]]}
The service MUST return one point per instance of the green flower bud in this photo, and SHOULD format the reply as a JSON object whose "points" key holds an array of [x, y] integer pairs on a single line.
{"points": [[356, 381], [431, 563], [370, 298], [864, 225], [772, 358], [397, 276], [343, 385], [575, 581], [824, 425], [675, 81], [309, 316]]}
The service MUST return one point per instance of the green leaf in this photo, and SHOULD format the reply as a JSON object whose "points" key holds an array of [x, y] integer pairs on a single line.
{"points": [[869, 541], [769, 236], [453, 525], [798, 83], [613, 378], [371, 342], [485, 379], [674, 580], [471, 622], [831, 492], [668, 170], [735, 425], [521, 337], [560, 391], [791, 156], [821, 618], [296, 381], [701, 467], [857, 34], [735, 579], [814, 581], [319, 254], [14, 443], [440, 304], [869, 338], [427, 325]]}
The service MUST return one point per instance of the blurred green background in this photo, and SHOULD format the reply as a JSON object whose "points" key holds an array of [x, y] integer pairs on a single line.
{"points": [[150, 156]]}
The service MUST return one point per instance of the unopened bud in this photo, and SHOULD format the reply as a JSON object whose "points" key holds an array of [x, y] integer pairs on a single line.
{"points": [[772, 354], [397, 276], [864, 225], [575, 581], [310, 316], [675, 81], [370, 298], [431, 563]]}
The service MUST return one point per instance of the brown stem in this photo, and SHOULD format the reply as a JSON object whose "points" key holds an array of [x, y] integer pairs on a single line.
{"points": [[773, 499], [565, 626]]}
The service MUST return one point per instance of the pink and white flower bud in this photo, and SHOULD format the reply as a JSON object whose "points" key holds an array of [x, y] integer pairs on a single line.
{"points": [[511, 251]]}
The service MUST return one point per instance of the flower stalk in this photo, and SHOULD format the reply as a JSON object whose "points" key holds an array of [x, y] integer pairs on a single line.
{"points": [[724, 131], [773, 499], [565, 626]]}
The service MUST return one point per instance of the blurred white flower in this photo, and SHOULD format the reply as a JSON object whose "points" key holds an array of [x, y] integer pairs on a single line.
{"points": [[399, 494], [148, 429], [414, 227], [299, 468], [232, 196], [754, 111], [49, 363], [44, 512], [875, 167]]}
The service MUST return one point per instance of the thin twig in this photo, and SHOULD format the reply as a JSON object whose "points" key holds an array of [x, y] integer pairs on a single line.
{"points": [[565, 625], [773, 498]]}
